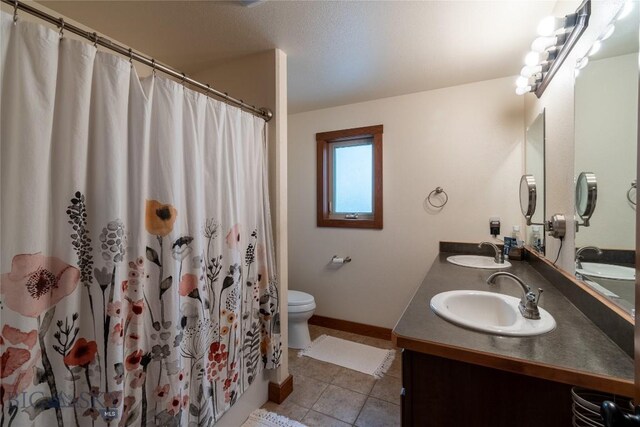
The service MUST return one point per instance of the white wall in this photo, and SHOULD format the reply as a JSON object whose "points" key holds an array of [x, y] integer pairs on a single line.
{"points": [[467, 139], [558, 103], [606, 144]]}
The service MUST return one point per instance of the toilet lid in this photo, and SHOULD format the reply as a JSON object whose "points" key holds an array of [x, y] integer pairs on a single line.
{"points": [[299, 298]]}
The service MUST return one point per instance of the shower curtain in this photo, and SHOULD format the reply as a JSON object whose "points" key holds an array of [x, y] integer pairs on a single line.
{"points": [[137, 270]]}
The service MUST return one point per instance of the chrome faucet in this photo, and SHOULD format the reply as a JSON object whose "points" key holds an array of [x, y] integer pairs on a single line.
{"points": [[499, 258], [529, 303], [585, 248]]}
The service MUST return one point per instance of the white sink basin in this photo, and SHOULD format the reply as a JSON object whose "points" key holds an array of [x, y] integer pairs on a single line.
{"points": [[489, 312], [607, 271], [477, 261]]}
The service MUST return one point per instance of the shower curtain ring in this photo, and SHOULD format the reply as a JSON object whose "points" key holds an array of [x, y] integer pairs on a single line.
{"points": [[95, 40], [153, 67], [15, 11], [130, 57], [61, 28], [184, 77]]}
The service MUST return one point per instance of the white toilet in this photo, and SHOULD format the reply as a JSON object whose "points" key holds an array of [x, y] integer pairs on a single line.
{"points": [[301, 307]]}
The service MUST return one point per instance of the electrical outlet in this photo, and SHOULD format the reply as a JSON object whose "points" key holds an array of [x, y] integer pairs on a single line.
{"points": [[494, 226]]}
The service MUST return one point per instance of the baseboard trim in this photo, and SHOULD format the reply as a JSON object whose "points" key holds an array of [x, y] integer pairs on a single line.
{"points": [[353, 327], [279, 392]]}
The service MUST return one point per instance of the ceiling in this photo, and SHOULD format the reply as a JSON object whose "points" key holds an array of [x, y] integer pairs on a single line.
{"points": [[339, 52]]}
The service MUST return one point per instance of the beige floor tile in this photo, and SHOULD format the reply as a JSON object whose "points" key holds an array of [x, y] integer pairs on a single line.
{"points": [[316, 419], [387, 388], [340, 403], [292, 353], [306, 391], [317, 369], [315, 331], [378, 413], [288, 409], [395, 370], [295, 364], [354, 380]]}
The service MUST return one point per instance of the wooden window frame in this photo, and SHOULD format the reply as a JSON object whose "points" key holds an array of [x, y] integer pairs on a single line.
{"points": [[325, 177]]}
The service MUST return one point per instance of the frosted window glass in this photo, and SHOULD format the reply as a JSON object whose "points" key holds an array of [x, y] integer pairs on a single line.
{"points": [[353, 179]]}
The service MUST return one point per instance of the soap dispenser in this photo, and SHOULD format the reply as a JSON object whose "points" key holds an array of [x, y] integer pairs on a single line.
{"points": [[515, 233]]}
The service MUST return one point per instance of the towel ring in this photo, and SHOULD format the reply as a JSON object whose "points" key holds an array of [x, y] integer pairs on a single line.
{"points": [[438, 190], [633, 187]]}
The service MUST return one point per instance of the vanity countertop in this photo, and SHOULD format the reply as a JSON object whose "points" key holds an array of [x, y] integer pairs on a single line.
{"points": [[577, 352]]}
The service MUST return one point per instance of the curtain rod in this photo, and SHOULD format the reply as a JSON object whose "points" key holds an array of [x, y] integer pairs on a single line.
{"points": [[264, 113]]}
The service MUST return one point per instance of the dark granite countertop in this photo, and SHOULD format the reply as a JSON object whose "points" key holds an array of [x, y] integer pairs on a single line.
{"points": [[576, 352]]}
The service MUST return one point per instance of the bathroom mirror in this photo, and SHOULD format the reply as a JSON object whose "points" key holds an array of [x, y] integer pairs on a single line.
{"points": [[534, 167], [606, 115], [586, 196]]}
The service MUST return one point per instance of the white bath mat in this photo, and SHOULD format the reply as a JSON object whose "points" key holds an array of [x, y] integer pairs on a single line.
{"points": [[359, 357], [264, 418]]}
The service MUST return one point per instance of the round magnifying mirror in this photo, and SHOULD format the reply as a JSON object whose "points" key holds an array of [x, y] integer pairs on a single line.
{"points": [[586, 196], [528, 196]]}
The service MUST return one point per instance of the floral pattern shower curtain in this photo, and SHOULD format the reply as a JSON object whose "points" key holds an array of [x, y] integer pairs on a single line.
{"points": [[137, 273]]}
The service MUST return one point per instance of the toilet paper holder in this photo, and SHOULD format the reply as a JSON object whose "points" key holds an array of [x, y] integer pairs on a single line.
{"points": [[337, 260]]}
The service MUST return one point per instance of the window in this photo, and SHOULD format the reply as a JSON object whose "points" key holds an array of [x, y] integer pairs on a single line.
{"points": [[350, 178]]}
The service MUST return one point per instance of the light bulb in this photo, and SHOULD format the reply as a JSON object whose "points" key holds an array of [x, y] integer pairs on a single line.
{"points": [[529, 70], [595, 48], [523, 90], [542, 43], [582, 62], [610, 29], [537, 58], [625, 10], [532, 58], [522, 81], [550, 25]]}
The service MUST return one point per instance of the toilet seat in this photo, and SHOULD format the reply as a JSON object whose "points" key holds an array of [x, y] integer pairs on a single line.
{"points": [[297, 299], [301, 308]]}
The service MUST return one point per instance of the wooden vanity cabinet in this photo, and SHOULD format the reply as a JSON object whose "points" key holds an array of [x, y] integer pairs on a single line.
{"points": [[441, 392]]}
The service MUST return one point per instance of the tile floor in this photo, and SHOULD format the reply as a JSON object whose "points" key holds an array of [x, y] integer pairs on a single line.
{"points": [[328, 395]]}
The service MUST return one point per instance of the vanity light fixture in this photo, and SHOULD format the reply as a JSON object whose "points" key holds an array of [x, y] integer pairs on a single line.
{"points": [[608, 33], [595, 48], [624, 11], [543, 43], [582, 62], [537, 58], [549, 25], [523, 90], [530, 70], [558, 35], [526, 81]]}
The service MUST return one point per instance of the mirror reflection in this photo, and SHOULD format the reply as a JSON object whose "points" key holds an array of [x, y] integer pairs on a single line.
{"points": [[534, 167], [586, 196], [528, 197], [606, 112]]}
